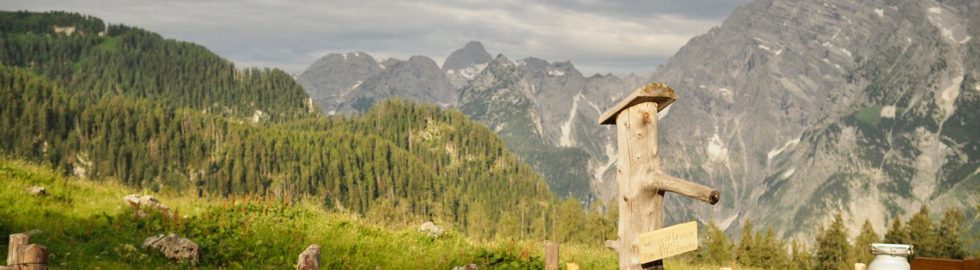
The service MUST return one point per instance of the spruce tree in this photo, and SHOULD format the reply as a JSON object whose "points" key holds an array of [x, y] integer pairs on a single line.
{"points": [[921, 233], [949, 244], [570, 221], [717, 249], [862, 244], [897, 234], [771, 252], [832, 247], [746, 245], [802, 259]]}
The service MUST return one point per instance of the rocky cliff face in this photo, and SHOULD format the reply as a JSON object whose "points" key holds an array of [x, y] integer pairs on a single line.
{"points": [[546, 113], [331, 80], [796, 110]]}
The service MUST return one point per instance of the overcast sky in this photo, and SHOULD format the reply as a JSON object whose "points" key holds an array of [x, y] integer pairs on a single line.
{"points": [[597, 36]]}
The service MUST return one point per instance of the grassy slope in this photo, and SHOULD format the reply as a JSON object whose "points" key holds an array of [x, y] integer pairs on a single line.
{"points": [[86, 225]]}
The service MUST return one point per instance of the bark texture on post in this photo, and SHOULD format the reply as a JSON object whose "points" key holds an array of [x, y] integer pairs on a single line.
{"points": [[642, 183], [637, 164], [551, 256], [33, 257], [17, 241]]}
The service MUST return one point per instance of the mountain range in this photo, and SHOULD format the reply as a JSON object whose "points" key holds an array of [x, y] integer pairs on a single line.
{"points": [[545, 111], [794, 110]]}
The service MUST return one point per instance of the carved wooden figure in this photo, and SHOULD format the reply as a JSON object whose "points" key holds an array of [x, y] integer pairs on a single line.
{"points": [[642, 183]]}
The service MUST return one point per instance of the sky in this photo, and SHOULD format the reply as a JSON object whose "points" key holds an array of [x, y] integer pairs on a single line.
{"points": [[619, 37]]}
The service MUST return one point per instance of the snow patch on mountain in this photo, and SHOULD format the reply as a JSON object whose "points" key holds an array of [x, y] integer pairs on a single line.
{"points": [[717, 151], [725, 92], [467, 73], [788, 173], [566, 139], [888, 111], [601, 170], [787, 145]]}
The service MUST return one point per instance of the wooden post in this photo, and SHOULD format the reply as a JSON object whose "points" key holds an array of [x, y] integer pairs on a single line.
{"points": [[34, 257], [551, 256], [17, 242], [642, 183]]}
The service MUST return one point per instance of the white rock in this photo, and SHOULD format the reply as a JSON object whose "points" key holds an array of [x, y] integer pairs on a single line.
{"points": [[37, 191], [430, 229]]}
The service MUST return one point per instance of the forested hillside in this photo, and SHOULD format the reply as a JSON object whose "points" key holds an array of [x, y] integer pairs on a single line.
{"points": [[116, 102]]}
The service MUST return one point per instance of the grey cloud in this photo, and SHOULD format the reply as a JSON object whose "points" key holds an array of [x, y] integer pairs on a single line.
{"points": [[598, 36]]}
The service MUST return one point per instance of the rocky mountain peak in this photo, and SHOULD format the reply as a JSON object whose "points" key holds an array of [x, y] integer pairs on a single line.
{"points": [[332, 77], [470, 55]]}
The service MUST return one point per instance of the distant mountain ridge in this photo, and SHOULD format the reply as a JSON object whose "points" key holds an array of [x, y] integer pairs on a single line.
{"points": [[544, 111]]}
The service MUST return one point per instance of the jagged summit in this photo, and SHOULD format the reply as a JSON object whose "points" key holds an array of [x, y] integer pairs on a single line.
{"points": [[470, 55]]}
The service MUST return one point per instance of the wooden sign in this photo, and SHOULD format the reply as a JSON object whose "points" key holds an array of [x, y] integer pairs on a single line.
{"points": [[668, 241]]}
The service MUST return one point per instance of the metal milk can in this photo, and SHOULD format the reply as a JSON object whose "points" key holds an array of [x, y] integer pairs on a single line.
{"points": [[890, 257]]}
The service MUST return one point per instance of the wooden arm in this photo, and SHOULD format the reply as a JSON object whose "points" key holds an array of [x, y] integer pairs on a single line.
{"points": [[683, 187]]}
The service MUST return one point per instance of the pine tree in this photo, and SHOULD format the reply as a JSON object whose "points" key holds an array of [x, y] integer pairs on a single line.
{"points": [[507, 227], [802, 259], [897, 234], [717, 249], [862, 244], [921, 233], [570, 221], [771, 253], [832, 247], [746, 245], [477, 222], [949, 244]]}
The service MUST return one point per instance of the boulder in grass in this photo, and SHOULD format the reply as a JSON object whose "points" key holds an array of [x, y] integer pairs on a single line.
{"points": [[430, 229], [145, 202], [174, 247], [37, 191], [309, 259]]}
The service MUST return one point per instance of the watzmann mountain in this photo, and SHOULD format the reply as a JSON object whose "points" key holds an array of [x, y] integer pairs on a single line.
{"points": [[796, 110]]}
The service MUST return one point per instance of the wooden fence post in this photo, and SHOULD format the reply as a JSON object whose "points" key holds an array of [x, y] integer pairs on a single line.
{"points": [[642, 183], [17, 242], [550, 256], [33, 257]]}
